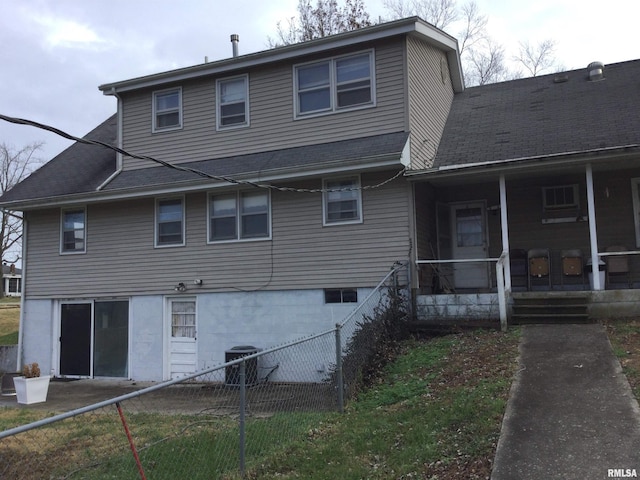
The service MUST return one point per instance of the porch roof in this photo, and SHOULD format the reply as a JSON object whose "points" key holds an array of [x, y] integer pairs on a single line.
{"points": [[546, 116]]}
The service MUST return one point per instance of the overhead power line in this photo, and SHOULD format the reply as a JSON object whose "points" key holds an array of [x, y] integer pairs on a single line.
{"points": [[221, 178]]}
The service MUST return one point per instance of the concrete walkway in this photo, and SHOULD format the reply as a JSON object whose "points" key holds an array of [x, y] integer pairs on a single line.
{"points": [[571, 414]]}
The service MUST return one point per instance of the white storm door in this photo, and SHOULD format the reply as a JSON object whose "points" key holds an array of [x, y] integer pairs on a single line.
{"points": [[469, 240], [183, 352]]}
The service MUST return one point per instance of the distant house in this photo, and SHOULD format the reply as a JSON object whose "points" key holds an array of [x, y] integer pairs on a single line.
{"points": [[11, 281], [304, 173]]}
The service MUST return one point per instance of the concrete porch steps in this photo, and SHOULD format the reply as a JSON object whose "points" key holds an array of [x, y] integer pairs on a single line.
{"points": [[550, 307]]}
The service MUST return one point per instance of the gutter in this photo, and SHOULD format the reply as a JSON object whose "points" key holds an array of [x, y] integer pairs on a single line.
{"points": [[569, 158]]}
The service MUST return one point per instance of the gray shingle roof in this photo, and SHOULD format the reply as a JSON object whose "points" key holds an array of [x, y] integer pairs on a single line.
{"points": [[289, 161], [536, 116], [80, 168]]}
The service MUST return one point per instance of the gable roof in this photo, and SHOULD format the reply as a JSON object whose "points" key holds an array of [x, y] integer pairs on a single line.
{"points": [[545, 116]]}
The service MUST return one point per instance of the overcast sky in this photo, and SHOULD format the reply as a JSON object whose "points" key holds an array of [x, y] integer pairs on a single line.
{"points": [[55, 53]]}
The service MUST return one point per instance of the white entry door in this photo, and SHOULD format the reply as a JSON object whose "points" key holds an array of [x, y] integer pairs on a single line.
{"points": [[182, 337], [469, 240]]}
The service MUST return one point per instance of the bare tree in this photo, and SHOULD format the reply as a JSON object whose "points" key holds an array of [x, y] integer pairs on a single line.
{"points": [[483, 60], [485, 64], [327, 17], [536, 58], [15, 166]]}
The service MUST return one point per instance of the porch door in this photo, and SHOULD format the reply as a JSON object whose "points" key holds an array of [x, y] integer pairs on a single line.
{"points": [[182, 339], [469, 240], [75, 339]]}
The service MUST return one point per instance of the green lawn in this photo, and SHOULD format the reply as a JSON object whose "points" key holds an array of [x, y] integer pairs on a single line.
{"points": [[9, 321], [434, 412]]}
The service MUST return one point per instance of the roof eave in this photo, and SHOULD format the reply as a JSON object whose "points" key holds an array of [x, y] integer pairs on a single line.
{"points": [[413, 25]]}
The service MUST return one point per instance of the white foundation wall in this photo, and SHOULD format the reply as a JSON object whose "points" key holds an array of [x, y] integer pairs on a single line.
{"points": [[224, 320], [268, 319]]}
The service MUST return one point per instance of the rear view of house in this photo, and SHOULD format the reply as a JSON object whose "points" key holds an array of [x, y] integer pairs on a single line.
{"points": [[279, 204]]}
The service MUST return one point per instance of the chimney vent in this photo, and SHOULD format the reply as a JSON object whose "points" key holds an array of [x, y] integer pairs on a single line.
{"points": [[235, 38], [596, 71]]}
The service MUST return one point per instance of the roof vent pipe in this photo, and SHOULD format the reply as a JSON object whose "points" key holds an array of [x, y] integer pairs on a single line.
{"points": [[596, 71], [235, 38]]}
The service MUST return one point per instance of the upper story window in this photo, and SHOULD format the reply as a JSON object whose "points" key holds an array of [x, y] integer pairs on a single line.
{"points": [[239, 216], [342, 200], [169, 222], [233, 102], [167, 110], [73, 231], [334, 84]]}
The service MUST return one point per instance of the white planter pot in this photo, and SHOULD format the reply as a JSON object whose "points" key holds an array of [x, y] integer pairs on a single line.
{"points": [[31, 390]]}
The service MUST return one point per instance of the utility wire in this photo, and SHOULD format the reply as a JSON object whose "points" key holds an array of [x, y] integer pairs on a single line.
{"points": [[221, 178]]}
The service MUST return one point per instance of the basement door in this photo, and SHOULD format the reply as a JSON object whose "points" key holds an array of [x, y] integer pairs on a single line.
{"points": [[182, 337], [469, 241], [94, 339]]}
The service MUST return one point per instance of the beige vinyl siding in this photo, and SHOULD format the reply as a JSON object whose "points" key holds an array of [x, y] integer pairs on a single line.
{"points": [[121, 259], [271, 115], [430, 97]]}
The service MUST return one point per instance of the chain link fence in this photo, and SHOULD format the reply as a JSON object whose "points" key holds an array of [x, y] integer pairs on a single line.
{"points": [[225, 422]]}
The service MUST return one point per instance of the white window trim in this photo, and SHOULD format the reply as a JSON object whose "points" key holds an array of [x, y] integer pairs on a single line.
{"points": [[576, 196], [155, 223], [238, 239], [73, 252], [635, 189], [333, 109], [247, 121], [360, 218], [154, 127]]}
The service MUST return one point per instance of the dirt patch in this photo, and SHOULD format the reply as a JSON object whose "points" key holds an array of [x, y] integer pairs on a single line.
{"points": [[474, 359]]}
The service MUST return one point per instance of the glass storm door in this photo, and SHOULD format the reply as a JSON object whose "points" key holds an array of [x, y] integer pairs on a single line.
{"points": [[75, 339], [469, 242], [111, 339]]}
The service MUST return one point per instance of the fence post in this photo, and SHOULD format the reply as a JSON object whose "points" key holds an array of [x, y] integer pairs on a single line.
{"points": [[339, 379], [242, 379]]}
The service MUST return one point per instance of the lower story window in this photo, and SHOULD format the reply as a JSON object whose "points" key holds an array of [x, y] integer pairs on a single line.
{"points": [[340, 295], [342, 202], [239, 216]]}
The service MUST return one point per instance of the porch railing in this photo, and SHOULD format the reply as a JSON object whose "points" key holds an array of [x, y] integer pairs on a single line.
{"points": [[502, 279]]}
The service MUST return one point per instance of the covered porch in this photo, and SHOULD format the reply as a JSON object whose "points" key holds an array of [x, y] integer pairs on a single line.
{"points": [[488, 235]]}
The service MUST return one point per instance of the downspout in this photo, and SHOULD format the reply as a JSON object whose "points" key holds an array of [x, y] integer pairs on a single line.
{"points": [[23, 291], [118, 142], [593, 235]]}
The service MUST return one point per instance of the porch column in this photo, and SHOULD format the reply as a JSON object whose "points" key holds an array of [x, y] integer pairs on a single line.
{"points": [[593, 236], [505, 231]]}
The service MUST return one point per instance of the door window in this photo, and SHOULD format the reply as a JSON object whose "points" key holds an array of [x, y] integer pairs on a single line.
{"points": [[469, 227]]}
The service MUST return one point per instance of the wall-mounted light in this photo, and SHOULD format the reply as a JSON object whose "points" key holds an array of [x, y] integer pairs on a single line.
{"points": [[197, 281], [181, 287]]}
